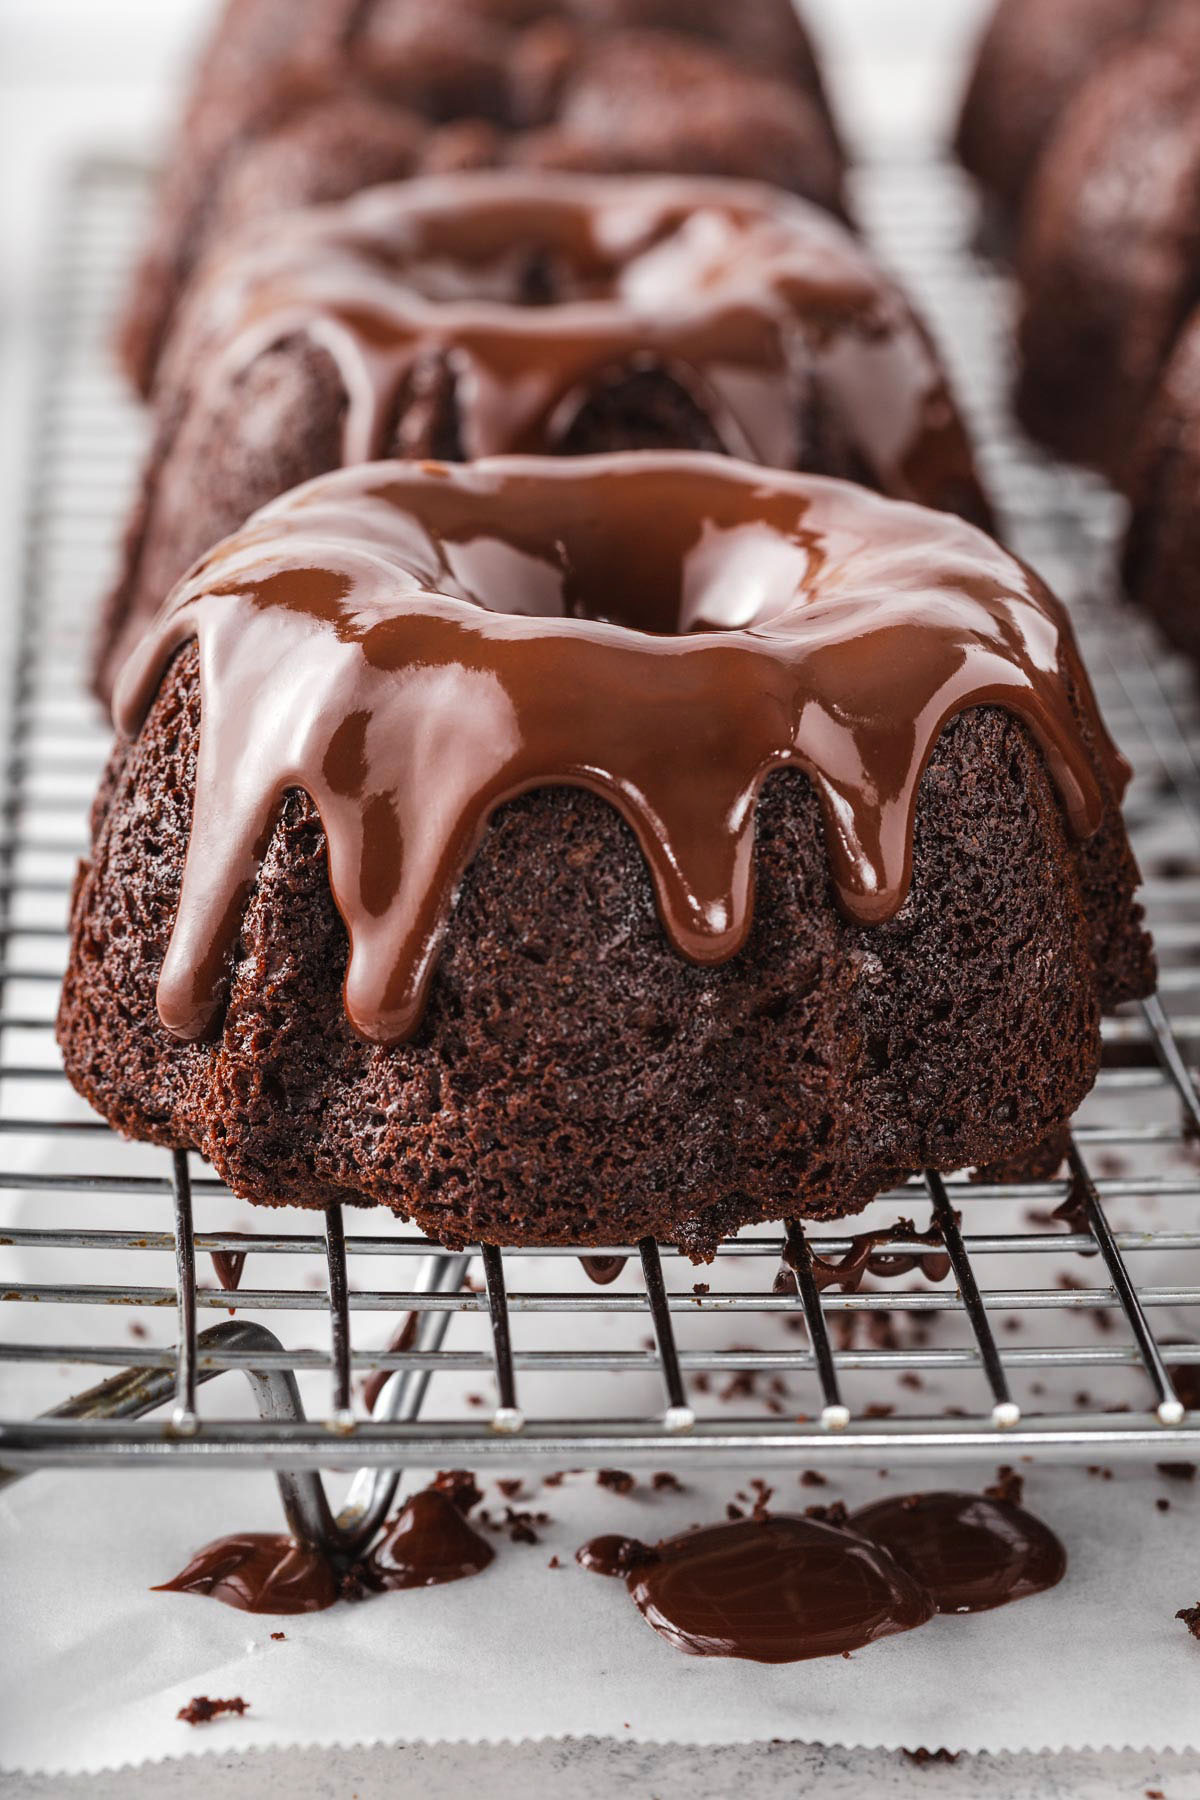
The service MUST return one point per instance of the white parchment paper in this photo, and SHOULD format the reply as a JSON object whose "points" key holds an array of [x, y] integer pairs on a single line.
{"points": [[94, 1667]]}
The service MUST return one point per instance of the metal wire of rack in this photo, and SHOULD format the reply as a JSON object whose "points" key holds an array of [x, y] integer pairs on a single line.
{"points": [[1131, 1148]]}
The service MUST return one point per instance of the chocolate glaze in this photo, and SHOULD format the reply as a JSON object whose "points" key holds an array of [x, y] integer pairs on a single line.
{"points": [[402, 1338], [530, 291], [775, 1590], [864, 1258], [259, 1572], [614, 1555], [603, 1270], [413, 645], [428, 1542], [228, 1266], [972, 1553]]}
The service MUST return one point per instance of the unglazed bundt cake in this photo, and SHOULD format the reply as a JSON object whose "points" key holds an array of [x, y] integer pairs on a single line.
{"points": [[579, 849], [469, 315], [1109, 253], [1161, 560], [310, 100], [1033, 58]]}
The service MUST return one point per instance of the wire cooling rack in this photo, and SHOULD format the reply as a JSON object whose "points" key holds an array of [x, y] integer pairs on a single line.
{"points": [[81, 1213]]}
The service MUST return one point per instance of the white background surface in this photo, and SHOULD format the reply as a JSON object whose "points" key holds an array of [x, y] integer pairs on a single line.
{"points": [[77, 73]]}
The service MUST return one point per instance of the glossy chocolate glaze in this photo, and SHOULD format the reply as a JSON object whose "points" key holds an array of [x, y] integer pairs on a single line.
{"points": [[413, 645], [531, 291], [603, 1270], [228, 1266], [865, 1258], [259, 1572], [612, 1554], [779, 1589], [972, 1553], [427, 1543], [403, 1338]]}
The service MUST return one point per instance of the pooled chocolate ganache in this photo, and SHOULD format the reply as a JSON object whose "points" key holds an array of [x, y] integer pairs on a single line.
{"points": [[776, 1588], [693, 843]]}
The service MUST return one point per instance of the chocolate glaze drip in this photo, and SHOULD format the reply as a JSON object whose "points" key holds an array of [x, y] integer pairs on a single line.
{"points": [[228, 1266], [972, 1553], [532, 291], [415, 645], [603, 1270], [402, 1338], [775, 1590], [259, 1572], [429, 1542], [864, 1258]]}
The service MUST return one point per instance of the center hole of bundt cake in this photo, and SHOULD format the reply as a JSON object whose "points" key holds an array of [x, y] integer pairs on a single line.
{"points": [[652, 573]]}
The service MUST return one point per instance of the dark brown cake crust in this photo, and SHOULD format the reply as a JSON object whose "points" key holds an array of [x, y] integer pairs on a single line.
{"points": [[1161, 558], [1033, 58], [658, 85], [1109, 257], [574, 1079]]}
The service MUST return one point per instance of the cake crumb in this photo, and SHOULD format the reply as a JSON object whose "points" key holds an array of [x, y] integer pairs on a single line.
{"points": [[279, 1637], [813, 1478], [1008, 1486], [923, 1757], [617, 1481], [1177, 1471], [200, 1709], [1162, 1505], [1191, 1618], [662, 1481]]}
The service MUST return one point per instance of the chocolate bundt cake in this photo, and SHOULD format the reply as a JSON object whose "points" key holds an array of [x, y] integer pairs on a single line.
{"points": [[569, 850], [468, 315], [1161, 559], [1033, 58], [1109, 253], [299, 101]]}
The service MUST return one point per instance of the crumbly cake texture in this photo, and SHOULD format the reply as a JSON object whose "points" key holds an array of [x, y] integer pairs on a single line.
{"points": [[573, 1078], [304, 100]]}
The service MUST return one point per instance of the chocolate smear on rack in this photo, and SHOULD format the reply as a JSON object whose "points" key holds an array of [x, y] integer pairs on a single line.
{"points": [[228, 1266], [864, 1257], [403, 1338]]}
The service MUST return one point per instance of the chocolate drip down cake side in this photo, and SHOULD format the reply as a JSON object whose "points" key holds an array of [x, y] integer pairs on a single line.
{"points": [[564, 851]]}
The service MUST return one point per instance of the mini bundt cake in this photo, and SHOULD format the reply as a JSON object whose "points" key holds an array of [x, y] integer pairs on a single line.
{"points": [[1033, 58], [469, 315], [565, 850], [1109, 252], [1161, 559], [308, 100]]}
